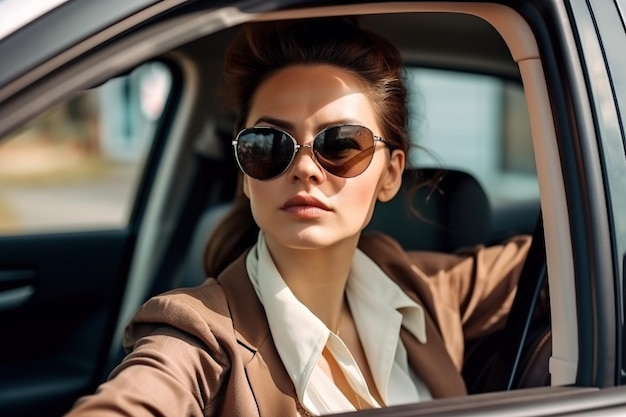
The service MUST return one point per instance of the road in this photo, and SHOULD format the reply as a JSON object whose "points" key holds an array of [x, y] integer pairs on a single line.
{"points": [[96, 203]]}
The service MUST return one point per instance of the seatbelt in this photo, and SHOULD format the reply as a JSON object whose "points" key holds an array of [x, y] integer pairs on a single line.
{"points": [[515, 336]]}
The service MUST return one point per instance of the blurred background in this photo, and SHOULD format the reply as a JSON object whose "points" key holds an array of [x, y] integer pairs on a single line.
{"points": [[78, 165]]}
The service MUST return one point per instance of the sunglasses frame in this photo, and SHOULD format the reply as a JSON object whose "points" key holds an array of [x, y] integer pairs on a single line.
{"points": [[298, 146]]}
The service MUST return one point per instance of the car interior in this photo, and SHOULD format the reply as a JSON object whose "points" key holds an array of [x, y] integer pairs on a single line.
{"points": [[185, 176]]}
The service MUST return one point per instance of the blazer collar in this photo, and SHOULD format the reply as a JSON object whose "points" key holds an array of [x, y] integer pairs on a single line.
{"points": [[263, 364]]}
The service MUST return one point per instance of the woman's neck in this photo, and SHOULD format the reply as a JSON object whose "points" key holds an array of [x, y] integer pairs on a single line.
{"points": [[317, 277]]}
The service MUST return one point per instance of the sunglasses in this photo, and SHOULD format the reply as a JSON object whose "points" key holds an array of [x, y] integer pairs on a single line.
{"points": [[345, 151]]}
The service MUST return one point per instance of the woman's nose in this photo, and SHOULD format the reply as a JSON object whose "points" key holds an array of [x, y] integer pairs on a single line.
{"points": [[304, 166]]}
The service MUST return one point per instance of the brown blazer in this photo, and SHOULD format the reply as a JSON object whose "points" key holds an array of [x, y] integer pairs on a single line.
{"points": [[208, 350]]}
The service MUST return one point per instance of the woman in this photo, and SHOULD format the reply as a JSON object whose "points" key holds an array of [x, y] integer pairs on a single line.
{"points": [[314, 318]]}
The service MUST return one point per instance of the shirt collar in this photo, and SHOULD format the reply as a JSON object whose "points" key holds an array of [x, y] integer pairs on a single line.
{"points": [[298, 334], [367, 281]]}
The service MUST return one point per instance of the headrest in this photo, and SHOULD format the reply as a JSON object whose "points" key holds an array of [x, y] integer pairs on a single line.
{"points": [[448, 209]]}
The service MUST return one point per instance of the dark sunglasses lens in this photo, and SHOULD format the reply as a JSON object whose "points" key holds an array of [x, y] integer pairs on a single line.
{"points": [[344, 151], [264, 153]]}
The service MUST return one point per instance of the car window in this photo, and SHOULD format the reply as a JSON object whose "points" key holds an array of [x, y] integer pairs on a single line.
{"points": [[476, 123], [77, 166]]}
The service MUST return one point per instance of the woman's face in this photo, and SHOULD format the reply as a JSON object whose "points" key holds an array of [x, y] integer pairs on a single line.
{"points": [[307, 207]]}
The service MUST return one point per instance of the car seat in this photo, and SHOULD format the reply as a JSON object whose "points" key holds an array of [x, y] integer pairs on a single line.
{"points": [[435, 210]]}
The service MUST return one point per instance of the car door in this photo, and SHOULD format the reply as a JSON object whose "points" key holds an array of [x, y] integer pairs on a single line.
{"points": [[597, 200], [76, 174]]}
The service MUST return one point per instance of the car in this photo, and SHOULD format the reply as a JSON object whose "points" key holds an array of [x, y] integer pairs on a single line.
{"points": [[115, 165]]}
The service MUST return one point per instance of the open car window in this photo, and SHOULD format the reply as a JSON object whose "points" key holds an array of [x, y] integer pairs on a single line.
{"points": [[477, 123], [77, 166]]}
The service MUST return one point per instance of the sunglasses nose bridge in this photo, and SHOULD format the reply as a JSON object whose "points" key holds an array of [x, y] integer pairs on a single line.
{"points": [[310, 147], [306, 145]]}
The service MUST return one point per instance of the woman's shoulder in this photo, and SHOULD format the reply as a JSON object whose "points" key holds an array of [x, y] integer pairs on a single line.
{"points": [[385, 250], [373, 241], [207, 299], [382, 246], [201, 312]]}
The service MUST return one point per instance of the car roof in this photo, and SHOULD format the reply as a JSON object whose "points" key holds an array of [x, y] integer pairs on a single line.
{"points": [[15, 15], [50, 28]]}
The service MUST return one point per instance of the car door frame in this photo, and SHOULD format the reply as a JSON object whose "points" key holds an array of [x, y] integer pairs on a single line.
{"points": [[61, 291]]}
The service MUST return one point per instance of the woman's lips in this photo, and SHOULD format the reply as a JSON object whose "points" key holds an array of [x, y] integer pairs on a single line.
{"points": [[305, 206]]}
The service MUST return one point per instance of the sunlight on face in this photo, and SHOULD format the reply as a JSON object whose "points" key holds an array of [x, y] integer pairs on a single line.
{"points": [[307, 207]]}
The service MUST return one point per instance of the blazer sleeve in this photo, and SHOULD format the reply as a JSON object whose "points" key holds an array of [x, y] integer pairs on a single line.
{"points": [[472, 289], [176, 366]]}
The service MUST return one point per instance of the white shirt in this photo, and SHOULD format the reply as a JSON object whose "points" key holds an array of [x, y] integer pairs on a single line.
{"points": [[379, 308]]}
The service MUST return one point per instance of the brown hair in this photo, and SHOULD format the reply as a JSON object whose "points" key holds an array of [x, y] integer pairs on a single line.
{"points": [[260, 49]]}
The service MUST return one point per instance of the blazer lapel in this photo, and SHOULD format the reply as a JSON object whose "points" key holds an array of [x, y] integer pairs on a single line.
{"points": [[263, 364], [430, 361]]}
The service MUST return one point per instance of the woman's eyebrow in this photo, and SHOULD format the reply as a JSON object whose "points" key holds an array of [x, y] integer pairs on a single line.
{"points": [[283, 124], [339, 122], [291, 127]]}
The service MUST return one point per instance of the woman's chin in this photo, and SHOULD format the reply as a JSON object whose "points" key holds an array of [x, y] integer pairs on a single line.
{"points": [[311, 238]]}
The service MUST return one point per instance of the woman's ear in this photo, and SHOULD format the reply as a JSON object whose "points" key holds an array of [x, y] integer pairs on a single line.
{"points": [[392, 180], [243, 184], [244, 180]]}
